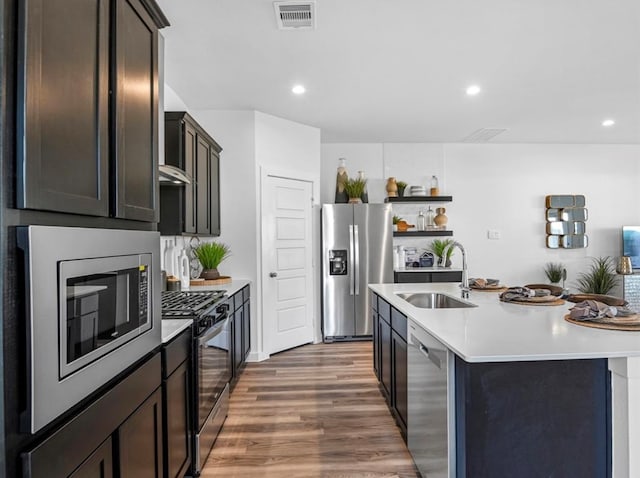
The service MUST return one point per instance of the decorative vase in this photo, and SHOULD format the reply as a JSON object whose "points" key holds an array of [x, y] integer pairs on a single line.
{"points": [[355, 201], [392, 188], [444, 262], [341, 179], [210, 274], [441, 219], [401, 191]]}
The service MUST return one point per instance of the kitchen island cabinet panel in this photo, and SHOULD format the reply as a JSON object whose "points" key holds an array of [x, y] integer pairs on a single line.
{"points": [[400, 384], [385, 363], [390, 358], [548, 418]]}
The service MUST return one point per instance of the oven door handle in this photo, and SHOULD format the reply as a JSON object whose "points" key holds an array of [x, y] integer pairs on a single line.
{"points": [[213, 331]]}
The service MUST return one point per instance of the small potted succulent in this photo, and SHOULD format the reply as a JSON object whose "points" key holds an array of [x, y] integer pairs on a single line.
{"points": [[401, 187], [210, 255]]}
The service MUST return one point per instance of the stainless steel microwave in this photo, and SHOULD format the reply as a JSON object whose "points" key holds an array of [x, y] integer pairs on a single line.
{"points": [[93, 309]]}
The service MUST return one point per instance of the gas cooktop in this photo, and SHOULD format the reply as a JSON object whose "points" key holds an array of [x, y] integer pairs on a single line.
{"points": [[185, 304]]}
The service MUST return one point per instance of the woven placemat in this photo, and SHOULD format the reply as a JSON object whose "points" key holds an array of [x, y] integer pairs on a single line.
{"points": [[546, 300], [203, 282], [490, 288], [605, 324]]}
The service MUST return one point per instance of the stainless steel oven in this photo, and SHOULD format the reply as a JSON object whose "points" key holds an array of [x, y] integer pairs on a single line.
{"points": [[93, 309], [212, 375], [211, 371]]}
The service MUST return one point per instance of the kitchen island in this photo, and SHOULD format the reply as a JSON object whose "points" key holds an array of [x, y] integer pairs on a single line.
{"points": [[539, 380]]}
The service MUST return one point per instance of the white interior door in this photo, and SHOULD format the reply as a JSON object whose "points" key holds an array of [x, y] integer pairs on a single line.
{"points": [[287, 242]]}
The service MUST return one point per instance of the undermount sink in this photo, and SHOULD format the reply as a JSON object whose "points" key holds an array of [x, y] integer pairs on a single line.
{"points": [[435, 300]]}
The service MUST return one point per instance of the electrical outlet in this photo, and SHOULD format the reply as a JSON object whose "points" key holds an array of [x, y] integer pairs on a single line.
{"points": [[493, 234]]}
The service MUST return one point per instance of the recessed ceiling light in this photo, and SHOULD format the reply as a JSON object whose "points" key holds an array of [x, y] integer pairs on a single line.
{"points": [[608, 122], [473, 90], [298, 89]]}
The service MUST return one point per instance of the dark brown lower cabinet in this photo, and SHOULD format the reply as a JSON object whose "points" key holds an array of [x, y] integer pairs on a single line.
{"points": [[140, 441], [241, 331], [176, 401], [246, 327], [411, 277], [384, 332], [399, 386], [390, 358], [119, 434], [99, 464]]}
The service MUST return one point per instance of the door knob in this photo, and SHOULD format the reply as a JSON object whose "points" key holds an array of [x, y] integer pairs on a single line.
{"points": [[273, 274]]}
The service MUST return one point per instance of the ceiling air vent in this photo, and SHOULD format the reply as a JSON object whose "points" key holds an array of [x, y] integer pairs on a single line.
{"points": [[295, 15], [483, 135]]}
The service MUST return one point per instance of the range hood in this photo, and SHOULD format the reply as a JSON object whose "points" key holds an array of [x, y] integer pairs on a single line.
{"points": [[172, 175]]}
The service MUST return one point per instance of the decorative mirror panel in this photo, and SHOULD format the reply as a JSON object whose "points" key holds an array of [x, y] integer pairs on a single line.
{"points": [[566, 216]]}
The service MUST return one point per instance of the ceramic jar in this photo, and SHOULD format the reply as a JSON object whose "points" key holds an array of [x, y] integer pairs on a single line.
{"points": [[441, 219], [392, 188]]}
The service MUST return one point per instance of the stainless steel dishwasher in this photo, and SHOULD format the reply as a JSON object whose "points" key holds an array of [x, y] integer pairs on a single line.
{"points": [[431, 418]]}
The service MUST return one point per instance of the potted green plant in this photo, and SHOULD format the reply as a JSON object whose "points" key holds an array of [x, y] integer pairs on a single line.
{"points": [[600, 279], [554, 272], [354, 189], [210, 255], [438, 247], [396, 220], [401, 187]]}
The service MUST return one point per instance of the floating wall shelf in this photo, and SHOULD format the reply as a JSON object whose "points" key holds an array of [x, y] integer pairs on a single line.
{"points": [[422, 233], [420, 199]]}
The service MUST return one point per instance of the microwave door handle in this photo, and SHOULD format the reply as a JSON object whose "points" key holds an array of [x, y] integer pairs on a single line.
{"points": [[213, 332], [353, 265]]}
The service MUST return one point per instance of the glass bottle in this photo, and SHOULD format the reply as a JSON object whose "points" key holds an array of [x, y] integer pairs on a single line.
{"points": [[421, 222], [365, 194], [341, 179], [435, 190], [430, 216]]}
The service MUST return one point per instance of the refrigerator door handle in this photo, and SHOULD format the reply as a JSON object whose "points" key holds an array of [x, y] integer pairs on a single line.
{"points": [[352, 256], [356, 266]]}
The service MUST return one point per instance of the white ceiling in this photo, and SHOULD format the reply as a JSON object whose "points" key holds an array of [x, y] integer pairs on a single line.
{"points": [[396, 70]]}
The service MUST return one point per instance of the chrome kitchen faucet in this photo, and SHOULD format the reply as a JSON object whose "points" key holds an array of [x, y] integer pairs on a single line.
{"points": [[464, 285]]}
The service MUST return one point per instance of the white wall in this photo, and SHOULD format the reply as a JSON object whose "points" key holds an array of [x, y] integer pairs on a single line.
{"points": [[503, 187], [289, 149], [251, 142]]}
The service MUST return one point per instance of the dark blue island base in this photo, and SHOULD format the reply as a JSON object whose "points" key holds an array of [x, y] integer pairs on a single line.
{"points": [[548, 419]]}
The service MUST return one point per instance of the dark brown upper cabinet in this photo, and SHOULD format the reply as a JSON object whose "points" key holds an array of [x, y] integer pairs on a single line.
{"points": [[193, 208], [88, 107]]}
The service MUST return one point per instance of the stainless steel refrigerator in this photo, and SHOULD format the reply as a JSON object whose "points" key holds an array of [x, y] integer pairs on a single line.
{"points": [[356, 251]]}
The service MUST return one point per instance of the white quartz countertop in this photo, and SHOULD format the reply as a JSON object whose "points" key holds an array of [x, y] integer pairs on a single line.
{"points": [[500, 332], [173, 327]]}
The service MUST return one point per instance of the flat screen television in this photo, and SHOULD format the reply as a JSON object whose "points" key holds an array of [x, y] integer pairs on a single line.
{"points": [[631, 244]]}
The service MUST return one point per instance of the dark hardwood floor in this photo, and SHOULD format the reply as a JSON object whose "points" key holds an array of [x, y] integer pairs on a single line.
{"points": [[314, 411]]}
